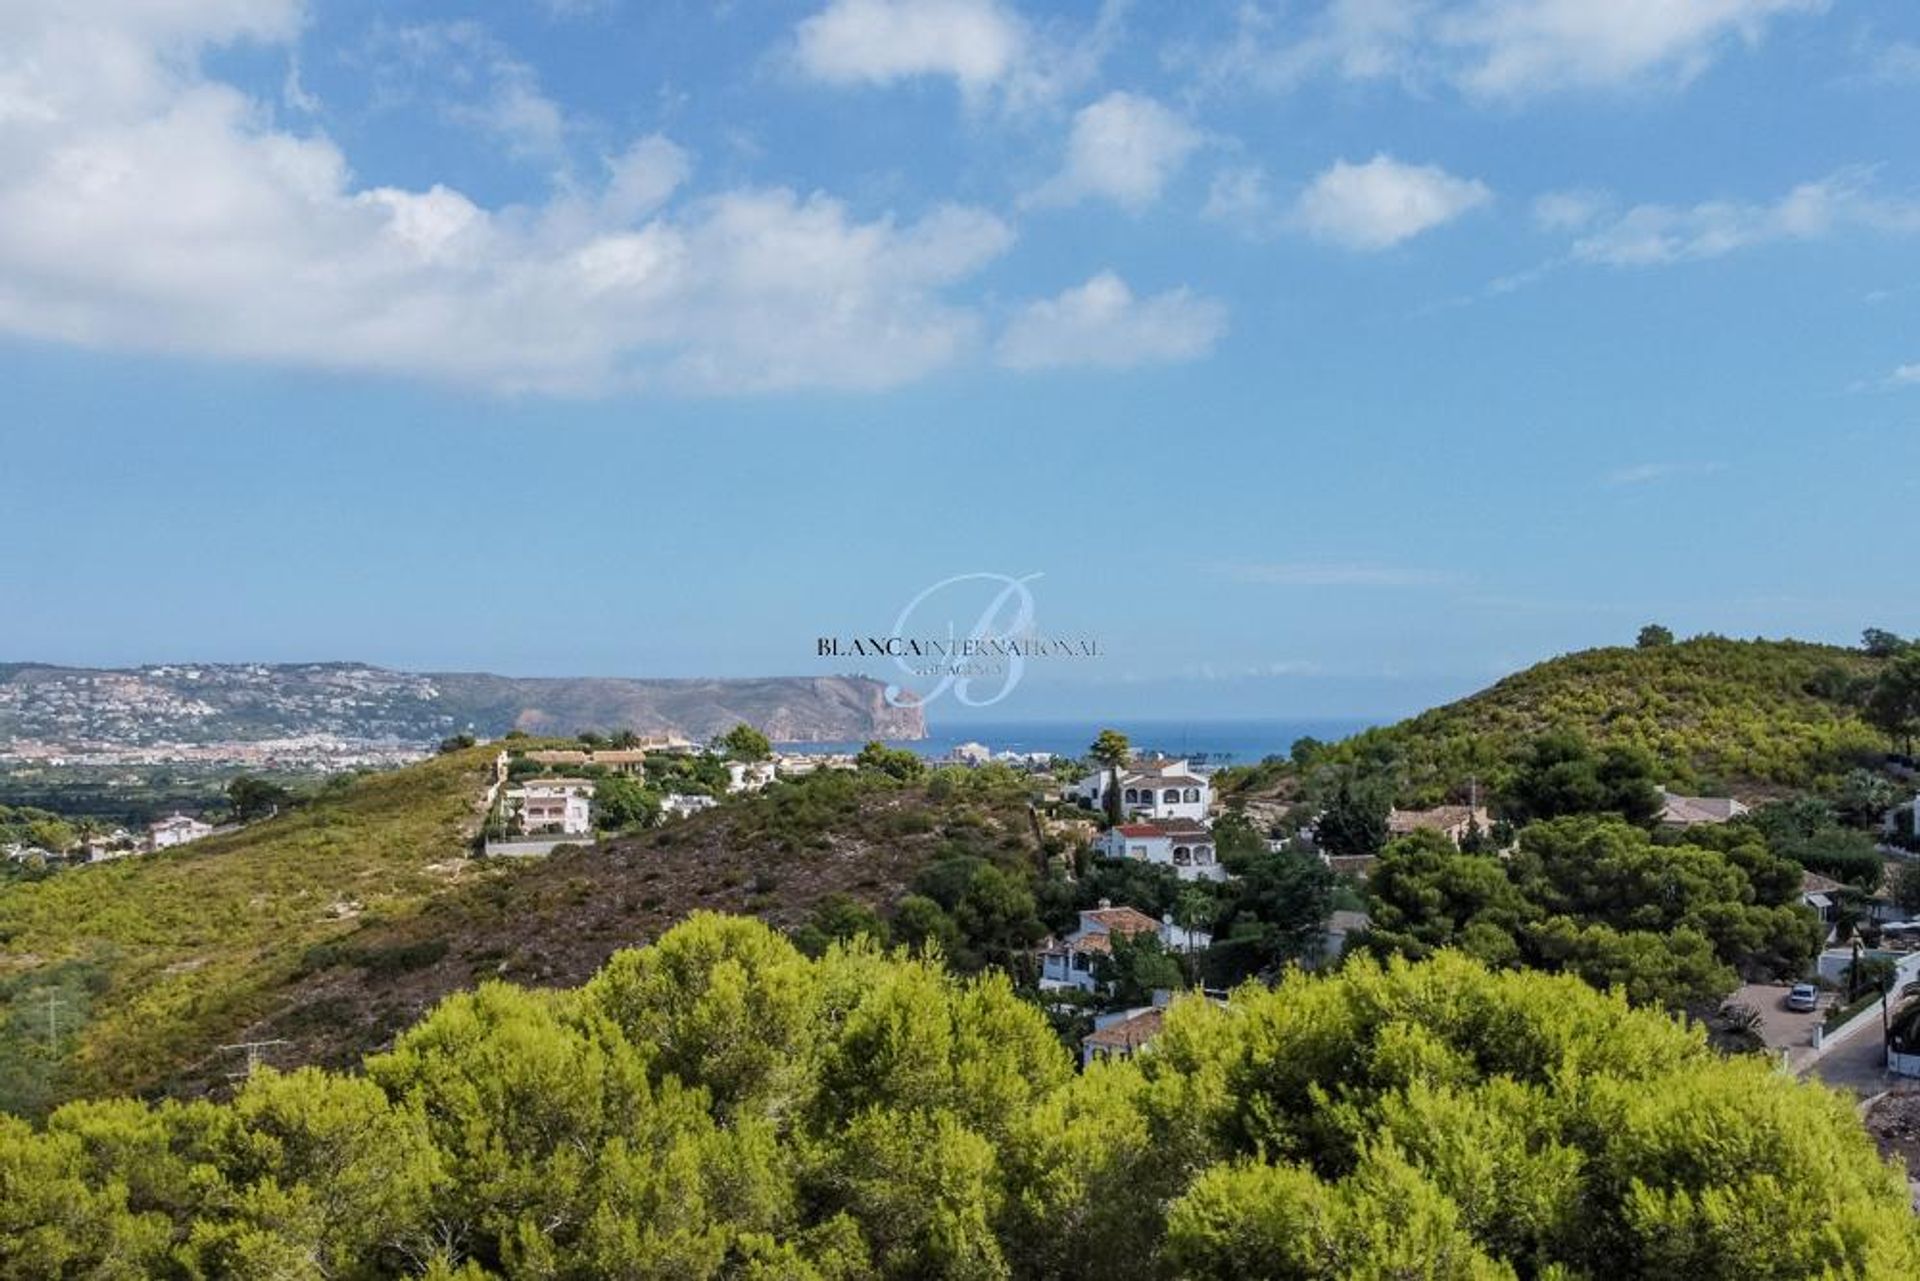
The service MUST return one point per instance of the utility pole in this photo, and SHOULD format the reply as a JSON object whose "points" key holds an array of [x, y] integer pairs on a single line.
{"points": [[54, 1006], [256, 1054]]}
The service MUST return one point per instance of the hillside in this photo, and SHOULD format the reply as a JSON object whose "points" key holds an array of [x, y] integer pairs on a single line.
{"points": [[153, 961], [1754, 715], [334, 927], [253, 702]]}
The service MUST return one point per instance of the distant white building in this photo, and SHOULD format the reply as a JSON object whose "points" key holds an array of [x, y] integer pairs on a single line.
{"points": [[971, 754], [554, 805], [176, 830], [683, 805], [1069, 962], [1181, 844], [749, 776], [1157, 787]]}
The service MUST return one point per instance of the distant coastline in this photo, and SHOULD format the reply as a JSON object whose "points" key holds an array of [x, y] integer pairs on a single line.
{"points": [[1217, 741]]}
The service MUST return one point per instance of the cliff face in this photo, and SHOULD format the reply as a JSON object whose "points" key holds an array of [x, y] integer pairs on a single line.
{"points": [[785, 708]]}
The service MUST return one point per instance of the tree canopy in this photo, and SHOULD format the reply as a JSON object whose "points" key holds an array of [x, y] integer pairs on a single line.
{"points": [[718, 1105], [745, 743], [1670, 924]]}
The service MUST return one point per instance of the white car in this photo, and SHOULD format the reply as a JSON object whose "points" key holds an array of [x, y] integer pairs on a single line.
{"points": [[1804, 997]]}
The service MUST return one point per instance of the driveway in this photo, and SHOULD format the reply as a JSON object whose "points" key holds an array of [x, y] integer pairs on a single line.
{"points": [[1781, 1028]]}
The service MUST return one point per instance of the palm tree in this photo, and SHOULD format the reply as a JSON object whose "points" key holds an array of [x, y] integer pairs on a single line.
{"points": [[1113, 750]]}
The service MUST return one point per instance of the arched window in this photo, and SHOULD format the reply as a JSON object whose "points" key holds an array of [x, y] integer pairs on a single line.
{"points": [[1133, 795], [1193, 793], [1182, 856], [1171, 796]]}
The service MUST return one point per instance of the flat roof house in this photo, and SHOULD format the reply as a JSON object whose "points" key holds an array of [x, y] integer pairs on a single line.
{"points": [[1182, 844], [563, 805]]}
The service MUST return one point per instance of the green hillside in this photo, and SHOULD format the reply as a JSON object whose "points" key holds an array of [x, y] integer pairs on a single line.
{"points": [[1712, 712], [782, 855], [128, 969], [334, 926]]}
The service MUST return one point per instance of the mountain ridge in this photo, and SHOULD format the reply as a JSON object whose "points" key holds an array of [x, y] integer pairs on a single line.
{"points": [[249, 702]]}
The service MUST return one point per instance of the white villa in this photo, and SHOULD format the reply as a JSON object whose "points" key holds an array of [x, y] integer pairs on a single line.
{"points": [[1069, 962], [684, 805], [563, 805], [176, 830], [1164, 787], [749, 776], [1181, 843]]}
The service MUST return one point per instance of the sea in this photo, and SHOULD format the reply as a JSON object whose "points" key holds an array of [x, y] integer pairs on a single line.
{"points": [[1205, 742]]}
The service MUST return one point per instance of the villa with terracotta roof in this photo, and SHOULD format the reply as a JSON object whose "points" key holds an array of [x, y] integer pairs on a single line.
{"points": [[1182, 844], [1159, 788], [1452, 821], [1687, 811], [1070, 962], [1121, 1036]]}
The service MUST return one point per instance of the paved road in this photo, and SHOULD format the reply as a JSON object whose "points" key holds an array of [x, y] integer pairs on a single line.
{"points": [[1858, 1063]]}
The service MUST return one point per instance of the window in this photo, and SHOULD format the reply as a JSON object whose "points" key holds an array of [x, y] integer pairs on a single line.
{"points": [[1132, 796], [1082, 962], [1182, 856], [1171, 796], [1193, 793], [1139, 851]]}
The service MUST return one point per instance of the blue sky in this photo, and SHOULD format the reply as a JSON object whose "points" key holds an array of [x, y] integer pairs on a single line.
{"points": [[1323, 359]]}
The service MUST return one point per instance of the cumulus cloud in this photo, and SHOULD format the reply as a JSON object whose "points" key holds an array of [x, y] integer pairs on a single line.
{"points": [[150, 207], [1378, 204], [1123, 148], [1905, 375], [1498, 48], [983, 46], [1652, 234], [975, 42], [1103, 323]]}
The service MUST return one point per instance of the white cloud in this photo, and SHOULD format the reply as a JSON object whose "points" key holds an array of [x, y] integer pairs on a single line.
{"points": [[1497, 48], [1905, 375], [983, 46], [1123, 148], [1102, 323], [975, 42], [1336, 574], [474, 80], [1567, 210], [1896, 62], [1651, 234], [1239, 195], [1378, 204], [148, 207], [1648, 473]]}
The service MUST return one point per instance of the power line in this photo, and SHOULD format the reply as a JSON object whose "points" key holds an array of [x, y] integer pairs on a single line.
{"points": [[256, 1055], [55, 1003]]}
